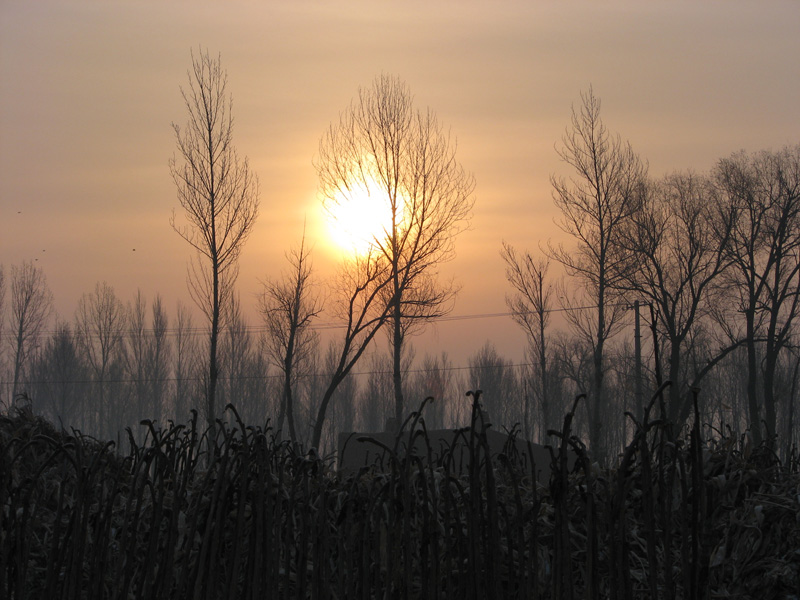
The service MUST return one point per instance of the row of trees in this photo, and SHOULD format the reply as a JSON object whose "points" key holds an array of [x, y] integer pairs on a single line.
{"points": [[118, 362], [715, 257], [711, 258]]}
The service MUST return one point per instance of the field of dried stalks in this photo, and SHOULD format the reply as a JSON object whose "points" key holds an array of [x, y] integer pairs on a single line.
{"points": [[247, 516]]}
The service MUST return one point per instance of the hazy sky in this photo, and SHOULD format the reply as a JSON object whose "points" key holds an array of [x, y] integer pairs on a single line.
{"points": [[88, 91]]}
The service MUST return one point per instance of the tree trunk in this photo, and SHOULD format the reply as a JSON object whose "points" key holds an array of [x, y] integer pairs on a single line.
{"points": [[320, 422], [397, 352], [752, 380], [637, 353], [598, 396], [213, 374], [597, 403], [770, 412], [772, 351], [679, 405], [17, 365], [545, 404], [288, 401]]}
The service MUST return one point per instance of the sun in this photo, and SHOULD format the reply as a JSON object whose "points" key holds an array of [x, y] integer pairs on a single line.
{"points": [[359, 220]]}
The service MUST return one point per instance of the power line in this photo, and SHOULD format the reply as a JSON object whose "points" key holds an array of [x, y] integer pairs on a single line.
{"points": [[250, 329], [255, 329]]}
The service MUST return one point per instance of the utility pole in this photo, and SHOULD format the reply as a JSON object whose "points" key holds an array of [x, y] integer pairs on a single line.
{"points": [[637, 350]]}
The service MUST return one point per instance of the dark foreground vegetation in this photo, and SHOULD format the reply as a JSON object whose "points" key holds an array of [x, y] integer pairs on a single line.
{"points": [[697, 514]]}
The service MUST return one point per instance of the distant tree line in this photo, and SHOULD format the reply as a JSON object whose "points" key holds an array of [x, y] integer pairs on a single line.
{"points": [[119, 362], [691, 278]]}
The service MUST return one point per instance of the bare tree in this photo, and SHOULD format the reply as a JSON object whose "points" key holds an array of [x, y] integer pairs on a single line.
{"points": [[31, 305], [406, 161], [359, 304], [595, 204], [678, 239], [530, 306], [288, 306], [764, 191], [219, 195], [99, 323]]}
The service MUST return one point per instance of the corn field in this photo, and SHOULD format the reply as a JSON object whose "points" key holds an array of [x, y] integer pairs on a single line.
{"points": [[245, 515]]}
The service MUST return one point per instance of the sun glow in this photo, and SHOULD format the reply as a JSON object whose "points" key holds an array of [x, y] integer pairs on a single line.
{"points": [[359, 220]]}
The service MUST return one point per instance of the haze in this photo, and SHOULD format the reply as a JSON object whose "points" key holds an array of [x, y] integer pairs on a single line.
{"points": [[89, 91]]}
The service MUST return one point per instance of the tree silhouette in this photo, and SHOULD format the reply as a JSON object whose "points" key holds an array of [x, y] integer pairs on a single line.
{"points": [[530, 306], [99, 326], [31, 304], [405, 160], [595, 204], [288, 306], [763, 190], [679, 239], [219, 195], [358, 302]]}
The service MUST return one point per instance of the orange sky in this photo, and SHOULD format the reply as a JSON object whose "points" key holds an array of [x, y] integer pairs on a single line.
{"points": [[88, 91]]}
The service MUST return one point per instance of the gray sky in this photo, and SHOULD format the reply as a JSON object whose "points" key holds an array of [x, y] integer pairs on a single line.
{"points": [[89, 89]]}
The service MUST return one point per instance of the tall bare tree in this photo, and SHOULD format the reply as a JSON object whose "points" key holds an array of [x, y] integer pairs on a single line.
{"points": [[595, 203], [406, 161], [764, 190], [219, 195], [288, 307], [31, 305], [530, 306], [678, 239]]}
